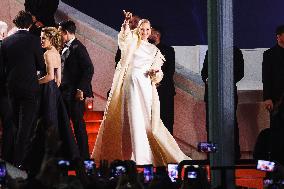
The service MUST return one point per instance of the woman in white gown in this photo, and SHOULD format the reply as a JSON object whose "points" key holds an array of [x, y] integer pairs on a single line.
{"points": [[132, 128]]}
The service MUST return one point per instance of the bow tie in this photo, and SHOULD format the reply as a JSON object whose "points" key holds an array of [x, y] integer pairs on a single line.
{"points": [[66, 46]]}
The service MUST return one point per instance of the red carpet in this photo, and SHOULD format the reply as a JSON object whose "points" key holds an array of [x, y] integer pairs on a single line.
{"points": [[246, 174]]}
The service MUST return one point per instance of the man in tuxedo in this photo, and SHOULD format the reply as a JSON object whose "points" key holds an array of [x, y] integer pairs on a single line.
{"points": [[273, 94], [23, 57], [5, 106], [238, 75], [77, 73], [166, 88]]}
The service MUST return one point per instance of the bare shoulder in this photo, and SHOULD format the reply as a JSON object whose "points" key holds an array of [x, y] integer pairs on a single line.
{"points": [[52, 58]]}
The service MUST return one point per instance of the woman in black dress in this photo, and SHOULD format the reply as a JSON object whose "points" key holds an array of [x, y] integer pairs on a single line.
{"points": [[54, 113]]}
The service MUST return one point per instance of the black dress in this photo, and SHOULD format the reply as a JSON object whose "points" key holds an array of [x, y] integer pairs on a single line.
{"points": [[52, 114]]}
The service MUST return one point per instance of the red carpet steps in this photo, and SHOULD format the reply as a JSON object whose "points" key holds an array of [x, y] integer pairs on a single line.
{"points": [[93, 121]]}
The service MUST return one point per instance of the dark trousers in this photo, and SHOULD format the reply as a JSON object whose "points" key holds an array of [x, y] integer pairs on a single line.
{"points": [[75, 109], [8, 128], [167, 111], [25, 113]]}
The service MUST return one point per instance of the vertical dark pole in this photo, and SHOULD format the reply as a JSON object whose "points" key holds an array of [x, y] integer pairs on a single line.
{"points": [[221, 91]]}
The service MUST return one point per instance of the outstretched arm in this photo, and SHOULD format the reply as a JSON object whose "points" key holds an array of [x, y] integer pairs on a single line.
{"points": [[125, 34]]}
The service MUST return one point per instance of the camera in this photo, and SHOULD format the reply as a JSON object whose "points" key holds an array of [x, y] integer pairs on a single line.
{"points": [[148, 173], [118, 170], [90, 166], [63, 165], [173, 171], [192, 174], [207, 147], [264, 165], [3, 173]]}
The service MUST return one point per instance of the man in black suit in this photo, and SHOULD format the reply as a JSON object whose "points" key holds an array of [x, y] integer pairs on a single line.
{"points": [[77, 73], [166, 88], [6, 121], [238, 75], [273, 77], [273, 93], [23, 57]]}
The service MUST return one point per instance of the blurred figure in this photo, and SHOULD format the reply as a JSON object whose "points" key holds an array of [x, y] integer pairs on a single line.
{"points": [[272, 77], [43, 13], [166, 88], [129, 179], [77, 72], [238, 75], [23, 57], [6, 122], [195, 178], [273, 93]]}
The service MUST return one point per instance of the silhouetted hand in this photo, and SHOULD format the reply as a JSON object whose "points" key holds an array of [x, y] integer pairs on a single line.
{"points": [[50, 172], [104, 168], [268, 104]]}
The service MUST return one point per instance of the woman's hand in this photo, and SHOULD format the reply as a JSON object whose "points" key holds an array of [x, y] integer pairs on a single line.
{"points": [[152, 73], [127, 15]]}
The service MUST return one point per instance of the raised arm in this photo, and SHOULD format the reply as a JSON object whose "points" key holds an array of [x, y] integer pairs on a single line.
{"points": [[125, 34]]}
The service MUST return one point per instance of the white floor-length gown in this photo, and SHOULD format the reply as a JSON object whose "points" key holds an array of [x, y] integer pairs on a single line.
{"points": [[132, 128]]}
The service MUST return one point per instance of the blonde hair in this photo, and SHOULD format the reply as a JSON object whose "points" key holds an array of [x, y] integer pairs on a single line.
{"points": [[54, 35], [136, 30]]}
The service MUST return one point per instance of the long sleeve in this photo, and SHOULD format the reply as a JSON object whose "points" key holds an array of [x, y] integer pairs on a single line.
{"points": [[124, 37], [266, 76], [204, 71], [40, 65], [238, 65], [157, 64], [86, 67]]}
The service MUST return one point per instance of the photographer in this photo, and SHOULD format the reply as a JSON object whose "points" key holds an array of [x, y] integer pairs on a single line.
{"points": [[130, 178], [161, 180], [195, 178]]}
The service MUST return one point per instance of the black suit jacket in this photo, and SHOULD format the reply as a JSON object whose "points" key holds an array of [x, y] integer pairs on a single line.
{"points": [[273, 73], [238, 70], [43, 10], [78, 69], [2, 76], [23, 57], [166, 86]]}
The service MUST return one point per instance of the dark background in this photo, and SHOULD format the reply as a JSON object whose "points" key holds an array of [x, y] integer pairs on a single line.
{"points": [[185, 21]]}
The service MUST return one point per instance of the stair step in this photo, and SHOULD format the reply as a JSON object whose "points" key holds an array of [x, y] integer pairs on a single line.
{"points": [[93, 120], [92, 130], [92, 137], [93, 115], [91, 146], [92, 124]]}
